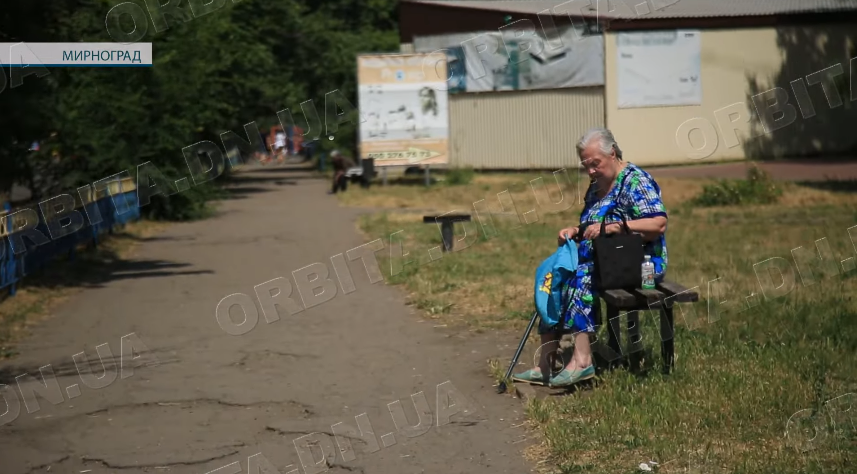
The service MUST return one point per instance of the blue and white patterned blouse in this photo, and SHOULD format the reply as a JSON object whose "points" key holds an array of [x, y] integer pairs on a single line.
{"points": [[638, 198]]}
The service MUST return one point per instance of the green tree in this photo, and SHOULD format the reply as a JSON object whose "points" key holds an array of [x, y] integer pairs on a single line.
{"points": [[242, 63]]}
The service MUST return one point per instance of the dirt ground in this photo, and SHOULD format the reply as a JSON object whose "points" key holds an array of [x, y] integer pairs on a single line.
{"points": [[200, 398]]}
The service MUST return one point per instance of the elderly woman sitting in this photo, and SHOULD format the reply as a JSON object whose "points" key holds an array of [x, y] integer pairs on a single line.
{"points": [[616, 186]]}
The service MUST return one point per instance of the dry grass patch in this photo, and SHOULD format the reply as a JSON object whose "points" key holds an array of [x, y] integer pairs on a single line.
{"points": [[443, 197]]}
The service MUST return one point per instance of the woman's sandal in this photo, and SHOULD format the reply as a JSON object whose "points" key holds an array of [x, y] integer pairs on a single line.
{"points": [[567, 377], [530, 376]]}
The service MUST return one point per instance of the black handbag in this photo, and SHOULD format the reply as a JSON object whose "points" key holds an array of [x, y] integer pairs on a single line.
{"points": [[618, 258]]}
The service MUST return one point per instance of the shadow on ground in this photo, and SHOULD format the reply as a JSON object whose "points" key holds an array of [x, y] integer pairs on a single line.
{"points": [[243, 192], [261, 180], [92, 363], [161, 238], [640, 364], [406, 181], [836, 186], [306, 171], [266, 179], [92, 269]]}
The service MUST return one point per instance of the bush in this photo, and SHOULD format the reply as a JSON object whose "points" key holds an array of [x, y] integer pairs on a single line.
{"points": [[457, 176], [189, 205], [758, 188]]}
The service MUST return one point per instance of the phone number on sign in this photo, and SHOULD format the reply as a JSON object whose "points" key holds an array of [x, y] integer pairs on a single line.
{"points": [[400, 154]]}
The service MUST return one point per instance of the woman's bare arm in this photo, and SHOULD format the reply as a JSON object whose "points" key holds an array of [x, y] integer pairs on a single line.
{"points": [[651, 227]]}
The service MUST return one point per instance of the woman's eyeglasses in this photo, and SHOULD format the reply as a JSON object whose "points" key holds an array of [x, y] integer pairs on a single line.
{"points": [[591, 163]]}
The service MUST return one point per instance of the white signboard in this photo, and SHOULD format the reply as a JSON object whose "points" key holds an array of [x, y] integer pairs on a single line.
{"points": [[659, 68], [404, 101]]}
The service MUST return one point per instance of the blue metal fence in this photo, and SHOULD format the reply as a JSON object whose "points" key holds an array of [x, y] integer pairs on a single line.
{"points": [[112, 211]]}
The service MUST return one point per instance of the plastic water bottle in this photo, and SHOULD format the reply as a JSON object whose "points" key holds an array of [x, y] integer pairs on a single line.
{"points": [[648, 273]]}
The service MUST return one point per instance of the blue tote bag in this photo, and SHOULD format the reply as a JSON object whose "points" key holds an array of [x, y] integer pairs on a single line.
{"points": [[550, 278]]}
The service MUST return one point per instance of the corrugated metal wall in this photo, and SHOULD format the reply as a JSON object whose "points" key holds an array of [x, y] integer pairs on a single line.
{"points": [[522, 129], [534, 129]]}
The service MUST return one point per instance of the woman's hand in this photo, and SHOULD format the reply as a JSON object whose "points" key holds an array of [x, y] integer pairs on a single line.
{"points": [[594, 230], [567, 234]]}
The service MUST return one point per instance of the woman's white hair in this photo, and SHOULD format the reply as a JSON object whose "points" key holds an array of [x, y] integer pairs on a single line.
{"points": [[605, 140]]}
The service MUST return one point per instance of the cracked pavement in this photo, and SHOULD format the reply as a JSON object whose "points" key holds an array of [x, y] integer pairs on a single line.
{"points": [[213, 399]]}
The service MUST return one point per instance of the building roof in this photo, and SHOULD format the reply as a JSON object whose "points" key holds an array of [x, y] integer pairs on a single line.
{"points": [[624, 9]]}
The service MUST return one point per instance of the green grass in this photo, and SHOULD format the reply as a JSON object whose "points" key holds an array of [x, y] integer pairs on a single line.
{"points": [[726, 406], [458, 176], [738, 378], [757, 188]]}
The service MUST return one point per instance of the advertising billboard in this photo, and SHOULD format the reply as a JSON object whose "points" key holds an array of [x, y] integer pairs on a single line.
{"points": [[403, 98]]}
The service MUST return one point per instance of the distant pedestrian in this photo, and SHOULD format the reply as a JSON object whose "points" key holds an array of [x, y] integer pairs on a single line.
{"points": [[280, 145], [340, 165]]}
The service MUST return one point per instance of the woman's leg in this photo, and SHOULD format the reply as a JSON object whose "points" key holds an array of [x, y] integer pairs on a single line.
{"points": [[582, 357], [550, 344], [337, 181], [579, 320]]}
